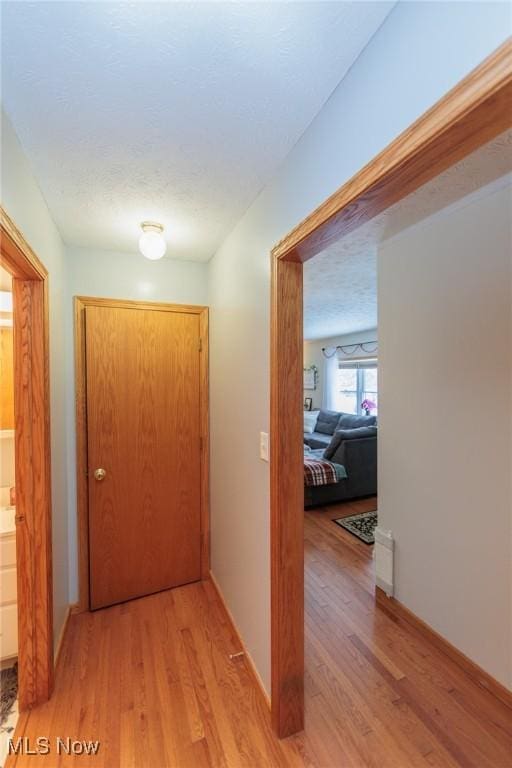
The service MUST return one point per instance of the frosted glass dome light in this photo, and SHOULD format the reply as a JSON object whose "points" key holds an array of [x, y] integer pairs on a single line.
{"points": [[151, 243]]}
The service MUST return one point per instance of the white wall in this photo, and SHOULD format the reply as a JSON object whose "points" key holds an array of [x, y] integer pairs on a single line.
{"points": [[118, 276], [23, 201], [421, 51], [445, 452], [313, 355]]}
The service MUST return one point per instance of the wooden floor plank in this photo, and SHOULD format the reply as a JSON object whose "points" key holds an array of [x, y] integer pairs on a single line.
{"points": [[153, 681]]}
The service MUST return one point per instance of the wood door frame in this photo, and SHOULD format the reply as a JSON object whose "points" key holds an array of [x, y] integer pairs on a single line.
{"points": [[33, 465], [81, 302], [468, 116]]}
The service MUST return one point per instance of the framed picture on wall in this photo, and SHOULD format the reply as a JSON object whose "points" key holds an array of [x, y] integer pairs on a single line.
{"points": [[310, 377]]}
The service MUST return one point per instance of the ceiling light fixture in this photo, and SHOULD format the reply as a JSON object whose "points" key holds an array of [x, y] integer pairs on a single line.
{"points": [[151, 243]]}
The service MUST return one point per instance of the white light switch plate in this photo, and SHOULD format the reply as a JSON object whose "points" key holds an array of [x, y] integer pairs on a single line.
{"points": [[264, 446]]}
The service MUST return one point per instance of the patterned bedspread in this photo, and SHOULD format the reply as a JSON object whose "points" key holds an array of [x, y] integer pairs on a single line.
{"points": [[319, 471]]}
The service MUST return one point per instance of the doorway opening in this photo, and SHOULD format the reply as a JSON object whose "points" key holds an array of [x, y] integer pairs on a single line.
{"points": [[341, 388], [472, 114], [8, 606], [29, 501]]}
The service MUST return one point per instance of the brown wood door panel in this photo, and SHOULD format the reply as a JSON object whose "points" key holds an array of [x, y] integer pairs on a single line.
{"points": [[143, 424]]}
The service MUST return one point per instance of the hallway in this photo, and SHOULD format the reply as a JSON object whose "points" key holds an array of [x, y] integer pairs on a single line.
{"points": [[152, 680]]}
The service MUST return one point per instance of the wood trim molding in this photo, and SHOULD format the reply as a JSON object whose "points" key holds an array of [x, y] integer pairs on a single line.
{"points": [[471, 114], [81, 459], [287, 499], [81, 302], [204, 396], [234, 631], [18, 258], [93, 301], [400, 614], [33, 464]]}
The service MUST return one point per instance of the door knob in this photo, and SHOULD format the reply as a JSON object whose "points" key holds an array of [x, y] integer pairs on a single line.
{"points": [[99, 474]]}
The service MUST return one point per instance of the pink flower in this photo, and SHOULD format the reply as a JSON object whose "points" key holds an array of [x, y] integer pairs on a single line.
{"points": [[368, 405]]}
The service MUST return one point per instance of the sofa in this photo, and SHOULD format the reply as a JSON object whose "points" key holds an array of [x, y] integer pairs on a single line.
{"points": [[348, 440], [327, 422]]}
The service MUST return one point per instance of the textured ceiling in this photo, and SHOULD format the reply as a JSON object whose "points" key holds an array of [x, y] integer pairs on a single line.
{"points": [[340, 284], [176, 112]]}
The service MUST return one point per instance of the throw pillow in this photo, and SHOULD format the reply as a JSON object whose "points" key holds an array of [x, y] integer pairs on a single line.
{"points": [[310, 418]]}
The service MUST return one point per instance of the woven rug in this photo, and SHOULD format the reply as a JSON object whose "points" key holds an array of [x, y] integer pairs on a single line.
{"points": [[8, 691], [362, 525]]}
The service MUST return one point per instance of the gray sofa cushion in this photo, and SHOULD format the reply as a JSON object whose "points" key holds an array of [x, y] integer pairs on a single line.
{"points": [[348, 434], [327, 422], [359, 457], [352, 421], [317, 440]]}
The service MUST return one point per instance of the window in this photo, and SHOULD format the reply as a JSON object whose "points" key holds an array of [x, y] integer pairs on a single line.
{"points": [[356, 381]]}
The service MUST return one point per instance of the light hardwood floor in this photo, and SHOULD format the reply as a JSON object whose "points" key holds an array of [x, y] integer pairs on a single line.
{"points": [[152, 680]]}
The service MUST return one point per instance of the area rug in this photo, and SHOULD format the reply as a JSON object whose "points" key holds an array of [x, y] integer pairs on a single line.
{"points": [[8, 691], [362, 525]]}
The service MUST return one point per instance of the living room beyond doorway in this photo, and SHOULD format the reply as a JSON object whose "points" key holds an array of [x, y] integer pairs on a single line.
{"points": [[409, 385], [341, 392]]}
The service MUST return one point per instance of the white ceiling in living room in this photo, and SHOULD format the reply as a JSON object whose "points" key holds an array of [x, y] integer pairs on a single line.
{"points": [[340, 291], [340, 284], [178, 112]]}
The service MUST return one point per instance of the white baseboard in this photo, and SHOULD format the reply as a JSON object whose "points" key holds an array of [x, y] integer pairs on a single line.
{"points": [[384, 553]]}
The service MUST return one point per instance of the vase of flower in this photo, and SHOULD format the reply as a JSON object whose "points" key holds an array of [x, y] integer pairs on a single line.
{"points": [[368, 406]]}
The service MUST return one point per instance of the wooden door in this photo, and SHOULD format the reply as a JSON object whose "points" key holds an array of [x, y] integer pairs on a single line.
{"points": [[143, 430]]}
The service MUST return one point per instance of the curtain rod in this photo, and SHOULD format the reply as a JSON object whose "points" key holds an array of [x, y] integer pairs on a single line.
{"points": [[350, 349]]}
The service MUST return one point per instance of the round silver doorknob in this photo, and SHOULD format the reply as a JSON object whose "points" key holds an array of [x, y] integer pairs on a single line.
{"points": [[99, 474]]}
